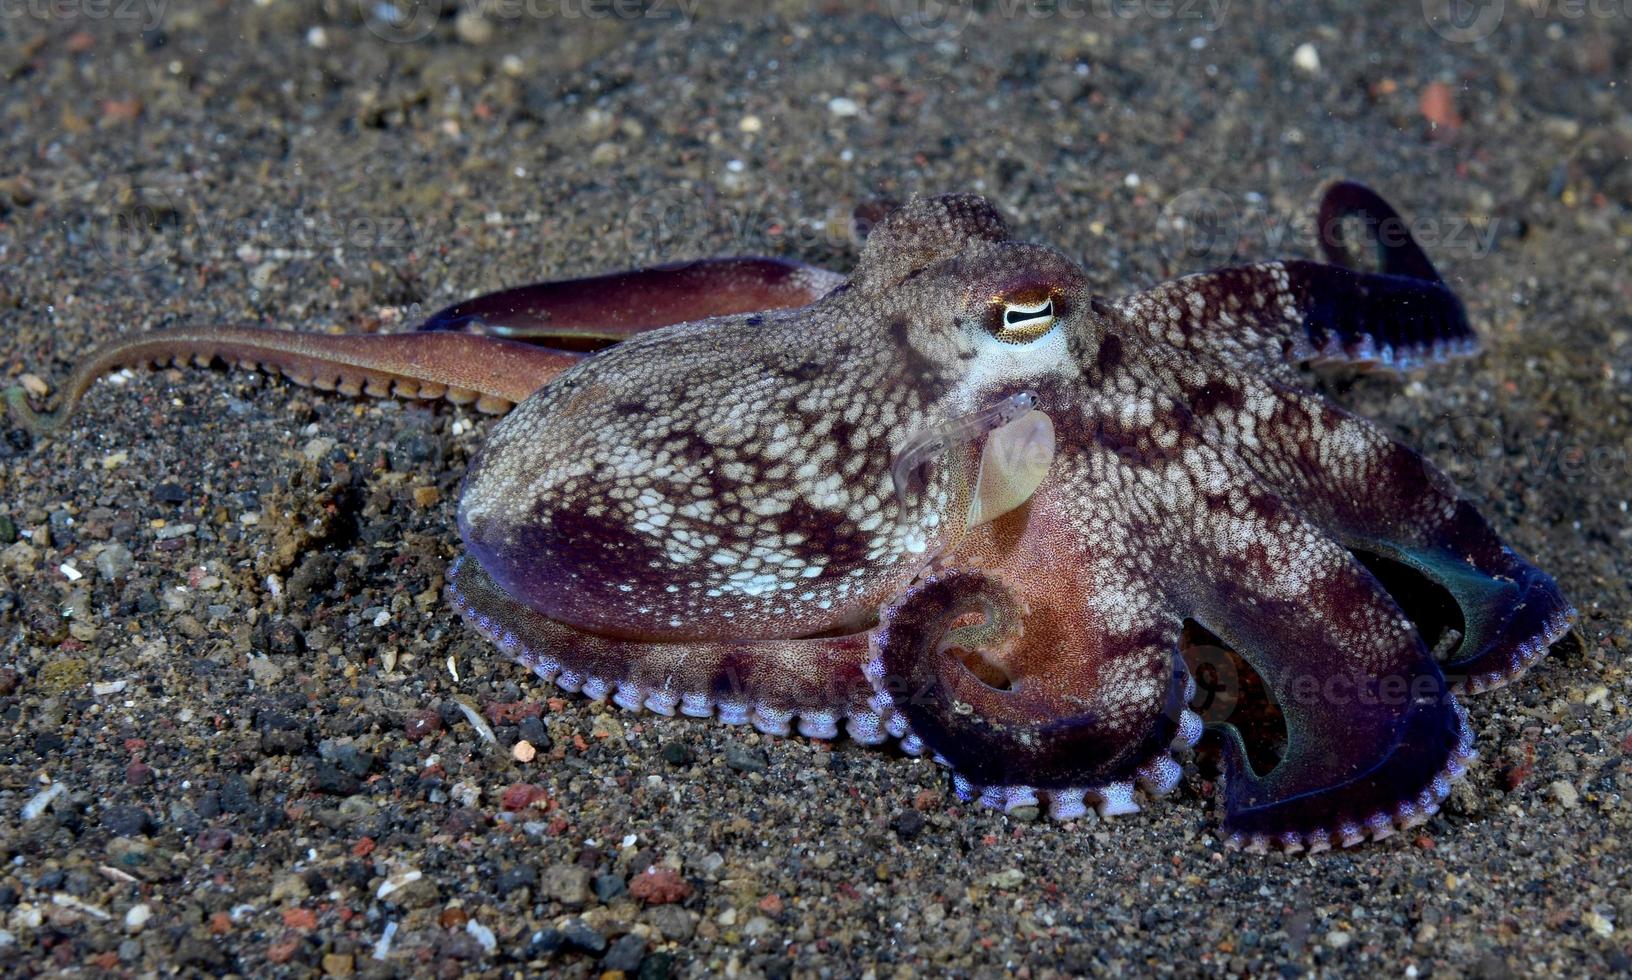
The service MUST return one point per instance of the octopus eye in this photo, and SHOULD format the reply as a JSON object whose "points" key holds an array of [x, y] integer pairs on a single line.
{"points": [[1022, 319]]}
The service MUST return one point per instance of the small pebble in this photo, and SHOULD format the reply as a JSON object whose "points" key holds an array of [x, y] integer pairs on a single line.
{"points": [[1306, 58], [523, 751], [745, 760], [625, 954], [843, 107]]}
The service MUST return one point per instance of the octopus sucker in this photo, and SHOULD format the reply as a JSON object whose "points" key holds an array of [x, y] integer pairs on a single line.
{"points": [[958, 500]]}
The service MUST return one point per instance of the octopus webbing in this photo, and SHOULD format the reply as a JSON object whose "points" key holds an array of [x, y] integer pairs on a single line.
{"points": [[958, 500]]}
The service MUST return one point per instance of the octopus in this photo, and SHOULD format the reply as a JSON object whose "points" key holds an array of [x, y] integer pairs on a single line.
{"points": [[958, 500]]}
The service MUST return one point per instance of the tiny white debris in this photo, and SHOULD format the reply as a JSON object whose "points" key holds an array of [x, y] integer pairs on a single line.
{"points": [[105, 688], [750, 124], [1306, 58], [70, 573], [1131, 181], [474, 717], [137, 917], [39, 801], [383, 618], [382, 947], [318, 38], [841, 106], [453, 668], [67, 901], [630, 840], [482, 934], [398, 881]]}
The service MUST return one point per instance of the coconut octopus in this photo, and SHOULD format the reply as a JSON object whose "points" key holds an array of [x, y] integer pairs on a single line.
{"points": [[959, 500]]}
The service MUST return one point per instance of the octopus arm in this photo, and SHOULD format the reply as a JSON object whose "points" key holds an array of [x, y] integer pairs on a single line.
{"points": [[1374, 737], [1007, 670], [1272, 315], [493, 374], [600, 310], [1385, 501], [813, 684]]}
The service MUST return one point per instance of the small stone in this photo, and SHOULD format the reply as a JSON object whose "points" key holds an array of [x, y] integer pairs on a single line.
{"points": [[675, 923], [678, 754], [422, 725], [515, 878], [338, 964], [427, 496], [290, 888], [625, 955], [565, 883], [659, 885], [1008, 878], [1565, 793], [523, 751], [745, 760], [1338, 939], [114, 562], [1306, 58], [750, 124], [137, 917], [609, 887], [908, 824], [658, 966], [578, 933], [843, 107], [128, 821], [520, 796], [472, 27]]}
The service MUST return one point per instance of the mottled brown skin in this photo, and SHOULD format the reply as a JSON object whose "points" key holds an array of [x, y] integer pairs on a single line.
{"points": [[710, 517]]}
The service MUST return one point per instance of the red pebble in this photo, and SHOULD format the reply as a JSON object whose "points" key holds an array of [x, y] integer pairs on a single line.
{"points": [[303, 919], [282, 952], [363, 848], [771, 904], [520, 796], [138, 774], [422, 725], [658, 885]]}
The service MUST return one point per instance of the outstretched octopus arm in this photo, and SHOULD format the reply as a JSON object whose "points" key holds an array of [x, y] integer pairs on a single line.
{"points": [[492, 373], [1383, 499], [600, 310], [1374, 737], [812, 684], [1275, 314]]}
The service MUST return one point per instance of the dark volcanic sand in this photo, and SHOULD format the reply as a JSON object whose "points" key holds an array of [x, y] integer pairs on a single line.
{"points": [[240, 766]]}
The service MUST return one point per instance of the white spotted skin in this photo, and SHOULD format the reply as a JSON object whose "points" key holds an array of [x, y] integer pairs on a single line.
{"points": [[731, 478]]}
